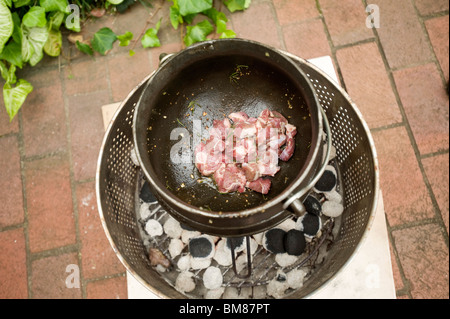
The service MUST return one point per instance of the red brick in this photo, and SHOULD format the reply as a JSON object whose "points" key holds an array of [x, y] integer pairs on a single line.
{"points": [[426, 7], [11, 210], [111, 288], [426, 105], [306, 39], [368, 84], [405, 195], [49, 277], [86, 76], [86, 127], [265, 32], [437, 171], [401, 34], [13, 267], [125, 72], [289, 11], [346, 21], [398, 281], [424, 258], [49, 203], [438, 30], [98, 258], [44, 128]]}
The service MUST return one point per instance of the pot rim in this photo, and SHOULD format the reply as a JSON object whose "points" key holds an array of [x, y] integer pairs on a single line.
{"points": [[180, 205]]}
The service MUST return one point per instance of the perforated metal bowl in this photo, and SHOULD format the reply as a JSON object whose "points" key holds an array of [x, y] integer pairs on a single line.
{"points": [[118, 179]]}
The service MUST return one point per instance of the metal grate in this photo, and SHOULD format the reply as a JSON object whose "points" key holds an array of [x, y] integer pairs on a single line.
{"points": [[118, 178], [264, 266]]}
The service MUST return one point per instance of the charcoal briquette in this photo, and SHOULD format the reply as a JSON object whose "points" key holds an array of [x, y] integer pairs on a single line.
{"points": [[146, 195], [312, 205], [294, 242], [326, 182], [309, 224], [274, 240], [201, 247], [238, 243]]}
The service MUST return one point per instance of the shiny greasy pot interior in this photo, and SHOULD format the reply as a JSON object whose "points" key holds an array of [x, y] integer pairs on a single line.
{"points": [[198, 84]]}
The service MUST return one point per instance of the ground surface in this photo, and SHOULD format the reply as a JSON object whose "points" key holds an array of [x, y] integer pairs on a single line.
{"points": [[397, 75]]}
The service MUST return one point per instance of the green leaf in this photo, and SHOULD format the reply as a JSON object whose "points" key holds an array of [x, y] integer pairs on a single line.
{"points": [[175, 16], [11, 76], [115, 2], [3, 71], [54, 5], [15, 96], [150, 38], [35, 17], [12, 53], [6, 24], [194, 6], [33, 41], [56, 18], [21, 3], [236, 5], [125, 38], [219, 18], [228, 34], [85, 48], [27, 49], [198, 32], [189, 18], [103, 40], [17, 32], [54, 43]]}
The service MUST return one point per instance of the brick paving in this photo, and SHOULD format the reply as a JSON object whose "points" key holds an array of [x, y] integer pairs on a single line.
{"points": [[397, 74]]}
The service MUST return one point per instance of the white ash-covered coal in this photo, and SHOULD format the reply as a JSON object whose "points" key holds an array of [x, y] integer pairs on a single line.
{"points": [[282, 258]]}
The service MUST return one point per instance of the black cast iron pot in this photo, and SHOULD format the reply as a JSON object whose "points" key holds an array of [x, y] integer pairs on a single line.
{"points": [[200, 83]]}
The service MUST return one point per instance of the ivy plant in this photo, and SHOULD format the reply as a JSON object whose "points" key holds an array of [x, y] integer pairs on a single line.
{"points": [[181, 12], [31, 28], [184, 11], [28, 30]]}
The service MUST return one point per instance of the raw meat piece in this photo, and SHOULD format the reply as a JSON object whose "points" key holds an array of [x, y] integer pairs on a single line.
{"points": [[230, 178], [242, 149], [268, 162], [288, 151], [238, 117], [219, 128], [244, 129], [207, 162], [251, 171], [261, 185], [263, 117]]}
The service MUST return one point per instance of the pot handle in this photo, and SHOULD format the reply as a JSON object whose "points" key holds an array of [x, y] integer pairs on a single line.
{"points": [[294, 201], [164, 57]]}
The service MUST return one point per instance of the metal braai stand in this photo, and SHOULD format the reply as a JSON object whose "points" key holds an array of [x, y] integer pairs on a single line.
{"points": [[119, 181], [249, 259]]}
